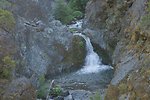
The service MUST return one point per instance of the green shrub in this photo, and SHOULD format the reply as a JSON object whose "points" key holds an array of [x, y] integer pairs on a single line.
{"points": [[42, 80], [145, 21], [7, 21], [96, 97], [56, 91], [43, 87], [42, 91], [67, 12], [78, 14], [78, 5], [63, 12], [7, 67], [81, 44], [4, 4], [72, 30], [122, 88], [68, 19]]}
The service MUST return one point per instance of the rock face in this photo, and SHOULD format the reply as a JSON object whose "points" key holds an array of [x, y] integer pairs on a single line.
{"points": [[118, 25], [44, 45], [20, 89], [39, 44]]}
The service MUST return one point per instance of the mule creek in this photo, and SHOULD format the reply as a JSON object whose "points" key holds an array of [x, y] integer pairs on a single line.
{"points": [[91, 78]]}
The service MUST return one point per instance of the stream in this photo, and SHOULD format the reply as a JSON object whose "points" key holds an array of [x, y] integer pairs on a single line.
{"points": [[91, 78]]}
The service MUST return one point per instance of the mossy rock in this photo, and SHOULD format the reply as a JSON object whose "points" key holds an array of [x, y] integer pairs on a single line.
{"points": [[112, 93], [78, 51], [7, 21], [122, 88], [132, 96], [96, 96], [7, 67], [134, 37]]}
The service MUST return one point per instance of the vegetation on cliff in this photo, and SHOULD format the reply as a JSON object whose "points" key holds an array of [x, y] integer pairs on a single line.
{"points": [[7, 66], [4, 4], [145, 22], [69, 11], [7, 21]]}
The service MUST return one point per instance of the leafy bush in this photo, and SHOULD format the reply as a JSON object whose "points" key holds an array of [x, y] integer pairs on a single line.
{"points": [[4, 4], [7, 67], [78, 14], [67, 12], [78, 5], [42, 80], [42, 91], [145, 21], [68, 19], [122, 88], [63, 12], [56, 91], [43, 87], [7, 20]]}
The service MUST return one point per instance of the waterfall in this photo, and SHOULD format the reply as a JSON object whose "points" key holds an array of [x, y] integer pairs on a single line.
{"points": [[92, 61]]}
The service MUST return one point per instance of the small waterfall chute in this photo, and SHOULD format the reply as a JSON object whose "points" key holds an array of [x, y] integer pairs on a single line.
{"points": [[92, 61]]}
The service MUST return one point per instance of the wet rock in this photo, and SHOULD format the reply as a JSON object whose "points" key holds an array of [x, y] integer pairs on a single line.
{"points": [[69, 97], [65, 93], [80, 94], [59, 98]]}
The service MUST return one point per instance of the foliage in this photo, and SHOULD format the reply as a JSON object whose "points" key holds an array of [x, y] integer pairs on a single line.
{"points": [[96, 97], [7, 20], [56, 91], [77, 14], [4, 4], [42, 79], [42, 91], [63, 12], [145, 21], [112, 93], [78, 5], [43, 87], [81, 44], [72, 30], [67, 12], [7, 67], [122, 88]]}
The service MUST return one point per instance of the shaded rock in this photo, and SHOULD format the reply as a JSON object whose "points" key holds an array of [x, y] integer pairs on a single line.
{"points": [[116, 22], [95, 13], [128, 63], [20, 89]]}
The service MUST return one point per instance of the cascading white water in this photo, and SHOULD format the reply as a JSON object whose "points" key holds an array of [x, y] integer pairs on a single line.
{"points": [[77, 25], [92, 61]]}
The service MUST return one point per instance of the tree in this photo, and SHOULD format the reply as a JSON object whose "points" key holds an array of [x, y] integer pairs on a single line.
{"points": [[63, 12]]}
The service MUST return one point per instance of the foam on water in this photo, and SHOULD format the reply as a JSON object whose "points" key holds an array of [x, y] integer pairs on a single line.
{"points": [[77, 25]]}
